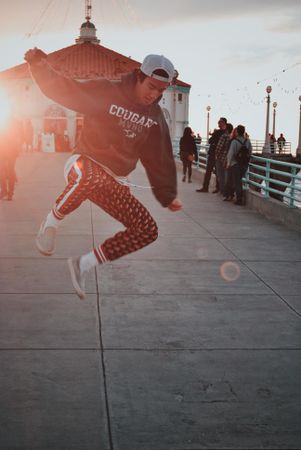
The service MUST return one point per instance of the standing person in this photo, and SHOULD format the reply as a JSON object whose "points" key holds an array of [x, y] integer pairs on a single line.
{"points": [[281, 142], [188, 152], [237, 166], [122, 124], [272, 143], [10, 145], [211, 156], [221, 157]]}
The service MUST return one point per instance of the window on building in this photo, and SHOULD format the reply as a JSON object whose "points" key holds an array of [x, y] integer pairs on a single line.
{"points": [[180, 97]]}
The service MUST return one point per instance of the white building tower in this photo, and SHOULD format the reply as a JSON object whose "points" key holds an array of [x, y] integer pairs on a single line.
{"points": [[87, 29]]}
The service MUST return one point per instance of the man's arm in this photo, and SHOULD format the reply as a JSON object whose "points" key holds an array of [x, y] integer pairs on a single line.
{"points": [[81, 97], [250, 147], [158, 161]]}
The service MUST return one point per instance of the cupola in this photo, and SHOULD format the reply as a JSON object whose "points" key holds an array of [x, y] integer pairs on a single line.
{"points": [[87, 29]]}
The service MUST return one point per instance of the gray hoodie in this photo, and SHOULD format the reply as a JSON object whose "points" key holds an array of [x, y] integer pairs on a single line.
{"points": [[235, 146], [117, 131]]}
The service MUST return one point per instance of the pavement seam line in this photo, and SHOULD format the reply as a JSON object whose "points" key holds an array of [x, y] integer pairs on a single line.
{"points": [[107, 406], [244, 263], [249, 268]]}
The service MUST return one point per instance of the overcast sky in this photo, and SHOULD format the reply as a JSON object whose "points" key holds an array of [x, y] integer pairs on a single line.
{"points": [[228, 51]]}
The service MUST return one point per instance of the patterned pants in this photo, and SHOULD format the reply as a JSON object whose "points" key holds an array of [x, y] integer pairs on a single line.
{"points": [[87, 180]]}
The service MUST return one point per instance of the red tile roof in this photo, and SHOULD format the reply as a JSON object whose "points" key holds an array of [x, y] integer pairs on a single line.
{"points": [[83, 61]]}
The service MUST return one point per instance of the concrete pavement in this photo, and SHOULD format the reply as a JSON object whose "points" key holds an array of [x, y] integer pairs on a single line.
{"points": [[192, 343]]}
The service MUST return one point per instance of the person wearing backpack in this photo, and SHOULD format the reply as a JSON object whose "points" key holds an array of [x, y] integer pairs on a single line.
{"points": [[237, 163]]}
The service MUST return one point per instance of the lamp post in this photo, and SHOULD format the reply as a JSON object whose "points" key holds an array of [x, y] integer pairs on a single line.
{"points": [[208, 117], [298, 151], [274, 117], [266, 147]]}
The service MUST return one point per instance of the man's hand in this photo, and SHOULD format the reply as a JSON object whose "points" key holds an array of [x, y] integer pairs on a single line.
{"points": [[34, 56], [175, 205]]}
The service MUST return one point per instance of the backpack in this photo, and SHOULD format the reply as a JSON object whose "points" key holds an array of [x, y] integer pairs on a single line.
{"points": [[243, 155]]}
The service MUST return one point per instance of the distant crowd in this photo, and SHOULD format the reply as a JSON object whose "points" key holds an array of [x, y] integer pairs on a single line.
{"points": [[228, 156]]}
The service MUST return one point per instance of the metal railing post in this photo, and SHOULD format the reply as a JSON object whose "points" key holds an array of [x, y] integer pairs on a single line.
{"points": [[267, 176], [292, 188]]}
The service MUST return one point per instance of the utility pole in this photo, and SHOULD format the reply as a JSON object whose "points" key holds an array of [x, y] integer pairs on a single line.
{"points": [[274, 117], [298, 151], [266, 147], [208, 120]]}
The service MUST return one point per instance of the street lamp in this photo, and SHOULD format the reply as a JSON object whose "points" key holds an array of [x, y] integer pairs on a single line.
{"points": [[266, 147], [298, 151], [208, 117], [274, 117]]}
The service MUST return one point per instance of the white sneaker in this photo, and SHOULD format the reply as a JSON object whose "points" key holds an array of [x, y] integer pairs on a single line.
{"points": [[45, 240], [78, 277]]}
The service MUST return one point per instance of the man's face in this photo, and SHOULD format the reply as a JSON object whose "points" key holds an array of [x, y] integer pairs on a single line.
{"points": [[221, 124], [148, 90]]}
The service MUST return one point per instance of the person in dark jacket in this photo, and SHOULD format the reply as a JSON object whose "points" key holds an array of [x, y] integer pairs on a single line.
{"points": [[281, 142], [221, 152], [123, 123], [10, 146], [188, 152], [237, 170], [213, 141]]}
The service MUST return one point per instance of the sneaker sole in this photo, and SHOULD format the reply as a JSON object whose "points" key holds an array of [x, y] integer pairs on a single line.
{"points": [[81, 294], [42, 250]]}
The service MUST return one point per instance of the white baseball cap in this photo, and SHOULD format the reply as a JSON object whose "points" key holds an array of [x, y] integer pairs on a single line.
{"points": [[158, 62]]}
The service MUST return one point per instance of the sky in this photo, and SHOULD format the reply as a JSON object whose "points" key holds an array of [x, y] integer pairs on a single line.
{"points": [[228, 51]]}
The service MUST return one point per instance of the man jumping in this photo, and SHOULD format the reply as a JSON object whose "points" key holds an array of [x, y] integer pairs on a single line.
{"points": [[123, 123]]}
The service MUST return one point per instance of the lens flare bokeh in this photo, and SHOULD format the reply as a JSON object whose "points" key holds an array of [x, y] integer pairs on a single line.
{"points": [[230, 271]]}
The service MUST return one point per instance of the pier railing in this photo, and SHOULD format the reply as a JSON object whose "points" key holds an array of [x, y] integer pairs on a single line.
{"points": [[280, 180], [277, 179]]}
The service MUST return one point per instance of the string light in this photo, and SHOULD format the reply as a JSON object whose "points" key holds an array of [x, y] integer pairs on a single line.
{"points": [[247, 97], [33, 30]]}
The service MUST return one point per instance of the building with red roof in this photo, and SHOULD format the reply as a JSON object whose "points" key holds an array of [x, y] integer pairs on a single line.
{"points": [[85, 60]]}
